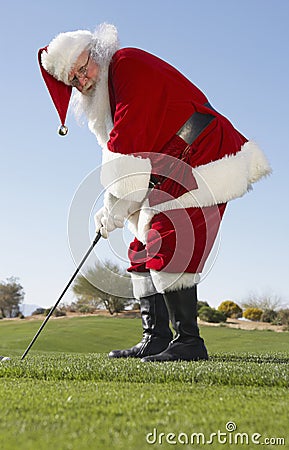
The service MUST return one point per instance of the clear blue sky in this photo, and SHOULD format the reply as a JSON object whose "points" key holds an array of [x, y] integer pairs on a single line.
{"points": [[236, 51]]}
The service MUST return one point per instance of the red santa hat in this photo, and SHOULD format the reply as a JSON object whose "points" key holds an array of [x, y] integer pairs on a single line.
{"points": [[60, 94], [56, 61]]}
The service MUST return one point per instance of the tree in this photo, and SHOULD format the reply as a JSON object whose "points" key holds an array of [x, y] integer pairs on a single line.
{"points": [[230, 309], [11, 296], [103, 285], [263, 301]]}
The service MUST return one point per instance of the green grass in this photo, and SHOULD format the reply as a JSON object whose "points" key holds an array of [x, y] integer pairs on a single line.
{"points": [[85, 415], [101, 334], [222, 369], [67, 394]]}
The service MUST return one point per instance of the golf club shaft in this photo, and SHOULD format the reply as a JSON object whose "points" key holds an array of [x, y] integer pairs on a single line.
{"points": [[98, 236]]}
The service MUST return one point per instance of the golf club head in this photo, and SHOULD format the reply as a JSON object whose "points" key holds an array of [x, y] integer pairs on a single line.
{"points": [[4, 358]]}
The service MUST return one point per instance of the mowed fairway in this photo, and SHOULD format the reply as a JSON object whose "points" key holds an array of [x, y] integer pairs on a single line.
{"points": [[67, 394]]}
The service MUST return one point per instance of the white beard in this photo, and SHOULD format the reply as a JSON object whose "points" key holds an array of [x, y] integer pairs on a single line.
{"points": [[96, 108]]}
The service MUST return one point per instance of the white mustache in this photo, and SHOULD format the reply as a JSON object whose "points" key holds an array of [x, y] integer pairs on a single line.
{"points": [[87, 87]]}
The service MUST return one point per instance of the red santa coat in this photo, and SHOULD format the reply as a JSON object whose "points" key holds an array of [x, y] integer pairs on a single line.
{"points": [[150, 101]]}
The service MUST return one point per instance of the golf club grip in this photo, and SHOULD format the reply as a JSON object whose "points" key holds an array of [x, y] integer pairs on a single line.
{"points": [[98, 236]]}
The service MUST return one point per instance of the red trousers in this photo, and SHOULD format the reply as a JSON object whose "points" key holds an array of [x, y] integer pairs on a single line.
{"points": [[179, 240]]}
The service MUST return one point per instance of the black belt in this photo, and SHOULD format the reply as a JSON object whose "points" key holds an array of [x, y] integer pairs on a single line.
{"points": [[195, 125], [189, 132]]}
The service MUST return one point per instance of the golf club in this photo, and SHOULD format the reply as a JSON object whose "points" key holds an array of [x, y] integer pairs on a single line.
{"points": [[98, 236]]}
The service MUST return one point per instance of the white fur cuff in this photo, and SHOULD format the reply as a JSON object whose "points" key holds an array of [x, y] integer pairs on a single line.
{"points": [[142, 285], [165, 282], [125, 176]]}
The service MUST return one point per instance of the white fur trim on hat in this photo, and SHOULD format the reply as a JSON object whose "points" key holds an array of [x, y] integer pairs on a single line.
{"points": [[63, 51]]}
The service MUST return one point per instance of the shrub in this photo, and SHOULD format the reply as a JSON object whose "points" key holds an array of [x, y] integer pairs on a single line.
{"points": [[57, 312], [38, 311], [212, 315], [282, 317], [86, 309], [269, 315], [20, 315], [230, 309], [201, 304], [72, 307], [253, 314], [136, 306]]}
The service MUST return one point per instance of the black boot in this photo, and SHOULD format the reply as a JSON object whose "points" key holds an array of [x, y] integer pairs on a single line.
{"points": [[187, 344], [156, 331]]}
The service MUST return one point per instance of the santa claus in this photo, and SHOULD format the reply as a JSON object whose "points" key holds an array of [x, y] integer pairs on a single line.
{"points": [[170, 164]]}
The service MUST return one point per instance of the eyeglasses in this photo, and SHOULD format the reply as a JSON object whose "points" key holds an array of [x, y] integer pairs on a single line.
{"points": [[80, 73]]}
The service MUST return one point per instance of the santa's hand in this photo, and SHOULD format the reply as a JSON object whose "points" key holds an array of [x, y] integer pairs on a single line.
{"points": [[116, 211], [110, 222], [98, 220], [106, 221], [114, 214]]}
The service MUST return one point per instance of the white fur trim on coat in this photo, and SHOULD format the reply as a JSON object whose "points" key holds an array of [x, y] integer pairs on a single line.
{"points": [[224, 180], [166, 282], [218, 182], [125, 176]]}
